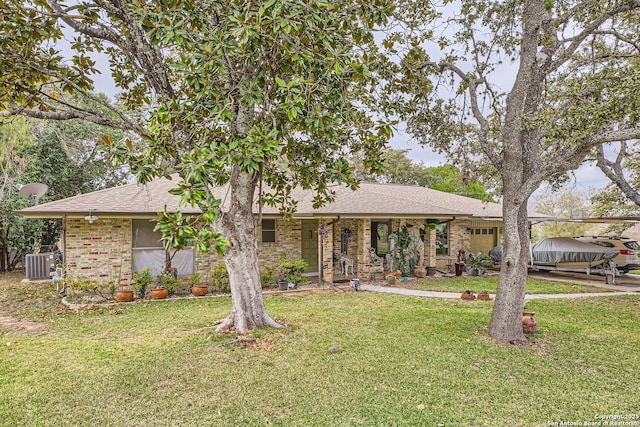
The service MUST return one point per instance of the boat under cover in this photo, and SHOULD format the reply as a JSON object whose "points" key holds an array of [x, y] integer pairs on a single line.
{"points": [[563, 253]]}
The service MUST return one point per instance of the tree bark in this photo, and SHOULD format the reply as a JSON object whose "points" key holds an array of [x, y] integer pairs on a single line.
{"points": [[238, 225], [520, 161], [506, 318]]}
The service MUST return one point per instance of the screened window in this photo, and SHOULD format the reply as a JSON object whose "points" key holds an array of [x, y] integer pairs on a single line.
{"points": [[144, 236], [148, 250], [268, 231]]}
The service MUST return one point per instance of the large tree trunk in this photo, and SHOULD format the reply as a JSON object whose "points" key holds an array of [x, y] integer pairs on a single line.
{"points": [[520, 161], [506, 318], [239, 226]]}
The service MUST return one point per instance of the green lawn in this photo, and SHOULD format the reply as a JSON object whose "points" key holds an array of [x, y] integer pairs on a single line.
{"points": [[534, 285], [399, 361]]}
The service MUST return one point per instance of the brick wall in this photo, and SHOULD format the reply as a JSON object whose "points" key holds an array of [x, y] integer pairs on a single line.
{"points": [[288, 235], [100, 251]]}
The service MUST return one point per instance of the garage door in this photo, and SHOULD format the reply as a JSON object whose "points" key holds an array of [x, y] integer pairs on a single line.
{"points": [[483, 239]]}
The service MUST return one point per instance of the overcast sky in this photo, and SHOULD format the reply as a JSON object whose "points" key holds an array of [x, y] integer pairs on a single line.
{"points": [[586, 178]]}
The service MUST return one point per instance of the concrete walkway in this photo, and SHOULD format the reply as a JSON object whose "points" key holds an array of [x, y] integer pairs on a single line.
{"points": [[456, 295]]}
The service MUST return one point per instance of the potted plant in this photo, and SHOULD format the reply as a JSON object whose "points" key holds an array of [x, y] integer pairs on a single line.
{"points": [[124, 293], [141, 281], [289, 273], [420, 271], [198, 289], [484, 295], [159, 291], [529, 323], [166, 285], [477, 263], [468, 295]]}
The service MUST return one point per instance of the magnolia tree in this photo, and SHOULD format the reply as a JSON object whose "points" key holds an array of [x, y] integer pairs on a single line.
{"points": [[253, 95], [529, 88]]}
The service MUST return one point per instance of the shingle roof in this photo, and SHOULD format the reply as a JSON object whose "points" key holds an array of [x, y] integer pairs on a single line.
{"points": [[369, 200]]}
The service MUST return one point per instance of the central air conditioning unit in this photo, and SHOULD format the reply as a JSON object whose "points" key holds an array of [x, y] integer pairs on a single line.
{"points": [[40, 266]]}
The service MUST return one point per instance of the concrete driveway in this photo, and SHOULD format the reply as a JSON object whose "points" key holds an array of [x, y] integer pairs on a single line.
{"points": [[624, 283]]}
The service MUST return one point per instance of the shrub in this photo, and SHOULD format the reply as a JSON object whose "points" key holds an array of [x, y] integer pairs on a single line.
{"points": [[85, 286], [267, 278], [292, 270], [220, 278], [141, 281], [169, 282], [285, 270]]}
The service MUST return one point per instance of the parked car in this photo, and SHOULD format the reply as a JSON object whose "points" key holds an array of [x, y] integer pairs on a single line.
{"points": [[629, 258]]}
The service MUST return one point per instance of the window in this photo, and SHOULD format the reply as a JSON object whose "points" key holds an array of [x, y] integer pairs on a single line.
{"points": [[380, 237], [268, 231], [442, 239], [478, 231], [144, 236], [148, 250]]}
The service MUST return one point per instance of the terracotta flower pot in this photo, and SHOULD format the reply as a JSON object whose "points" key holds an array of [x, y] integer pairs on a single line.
{"points": [[124, 295], [484, 297], [159, 293], [529, 323], [468, 295], [199, 290], [419, 271]]}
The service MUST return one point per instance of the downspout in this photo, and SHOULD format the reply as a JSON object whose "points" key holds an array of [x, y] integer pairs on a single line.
{"points": [[64, 239], [321, 264]]}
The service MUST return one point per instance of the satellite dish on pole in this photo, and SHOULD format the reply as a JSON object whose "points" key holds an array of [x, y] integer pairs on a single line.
{"points": [[33, 191]]}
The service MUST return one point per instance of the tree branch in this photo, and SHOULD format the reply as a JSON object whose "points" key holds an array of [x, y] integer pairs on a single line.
{"points": [[64, 115], [614, 171], [576, 41]]}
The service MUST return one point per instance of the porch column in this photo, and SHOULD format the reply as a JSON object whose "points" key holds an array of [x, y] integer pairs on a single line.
{"points": [[364, 244], [430, 247], [325, 251]]}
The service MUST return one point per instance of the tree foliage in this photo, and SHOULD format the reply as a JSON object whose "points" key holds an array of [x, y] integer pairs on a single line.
{"points": [[528, 88], [261, 96], [621, 197], [564, 202], [398, 168], [63, 156]]}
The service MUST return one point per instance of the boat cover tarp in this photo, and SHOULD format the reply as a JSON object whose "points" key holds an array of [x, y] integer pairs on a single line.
{"points": [[558, 250]]}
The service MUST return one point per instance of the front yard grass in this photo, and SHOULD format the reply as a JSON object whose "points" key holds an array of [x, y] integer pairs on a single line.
{"points": [[490, 283], [345, 359]]}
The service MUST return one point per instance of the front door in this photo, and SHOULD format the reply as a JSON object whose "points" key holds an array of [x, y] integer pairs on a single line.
{"points": [[310, 243]]}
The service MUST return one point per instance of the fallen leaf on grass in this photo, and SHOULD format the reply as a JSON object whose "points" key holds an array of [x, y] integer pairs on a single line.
{"points": [[421, 407]]}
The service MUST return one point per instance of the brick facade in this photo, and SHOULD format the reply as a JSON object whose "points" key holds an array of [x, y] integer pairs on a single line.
{"points": [[102, 250]]}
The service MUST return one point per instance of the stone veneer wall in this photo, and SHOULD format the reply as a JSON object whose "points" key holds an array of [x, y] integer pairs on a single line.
{"points": [[100, 251]]}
